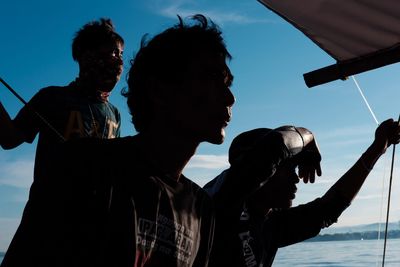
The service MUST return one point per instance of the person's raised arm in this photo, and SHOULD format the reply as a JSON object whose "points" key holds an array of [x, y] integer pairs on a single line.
{"points": [[350, 183], [10, 136]]}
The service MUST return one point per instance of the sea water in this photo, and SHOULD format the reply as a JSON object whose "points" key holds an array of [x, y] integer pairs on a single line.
{"points": [[360, 253]]}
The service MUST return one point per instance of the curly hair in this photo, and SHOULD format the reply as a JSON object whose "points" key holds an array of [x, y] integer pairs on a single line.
{"points": [[94, 34], [163, 60]]}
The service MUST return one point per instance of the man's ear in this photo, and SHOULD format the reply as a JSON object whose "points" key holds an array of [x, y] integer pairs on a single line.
{"points": [[159, 94]]}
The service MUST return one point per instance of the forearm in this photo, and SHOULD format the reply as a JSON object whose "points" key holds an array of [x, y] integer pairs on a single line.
{"points": [[350, 183], [10, 137], [284, 227], [293, 225]]}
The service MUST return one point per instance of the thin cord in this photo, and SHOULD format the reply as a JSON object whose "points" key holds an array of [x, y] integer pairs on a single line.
{"points": [[388, 207], [388, 203], [381, 209], [365, 100], [386, 161]]}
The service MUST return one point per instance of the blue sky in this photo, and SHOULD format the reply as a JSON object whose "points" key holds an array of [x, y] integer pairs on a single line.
{"points": [[269, 59]]}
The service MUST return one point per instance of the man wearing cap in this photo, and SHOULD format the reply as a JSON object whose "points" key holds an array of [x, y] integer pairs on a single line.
{"points": [[253, 198]]}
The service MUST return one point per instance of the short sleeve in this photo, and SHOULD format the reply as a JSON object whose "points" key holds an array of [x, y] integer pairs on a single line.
{"points": [[27, 121]]}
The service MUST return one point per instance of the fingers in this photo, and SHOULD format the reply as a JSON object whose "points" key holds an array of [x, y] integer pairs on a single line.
{"points": [[393, 131], [396, 135], [309, 165], [319, 170], [396, 141], [387, 133], [308, 172], [302, 174], [307, 177], [311, 177]]}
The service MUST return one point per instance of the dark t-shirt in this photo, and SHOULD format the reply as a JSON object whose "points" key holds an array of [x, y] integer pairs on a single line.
{"points": [[110, 207], [244, 238], [229, 192], [69, 114]]}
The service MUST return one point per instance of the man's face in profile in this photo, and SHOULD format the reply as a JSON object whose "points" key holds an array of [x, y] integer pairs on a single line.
{"points": [[103, 66], [278, 192], [204, 104]]}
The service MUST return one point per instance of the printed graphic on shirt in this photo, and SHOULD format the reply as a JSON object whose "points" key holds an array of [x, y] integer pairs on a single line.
{"points": [[112, 127], [166, 237], [245, 237], [248, 254], [76, 128]]}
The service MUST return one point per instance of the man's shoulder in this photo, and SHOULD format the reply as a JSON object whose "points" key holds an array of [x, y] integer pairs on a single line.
{"points": [[54, 89], [215, 185], [51, 92], [198, 192]]}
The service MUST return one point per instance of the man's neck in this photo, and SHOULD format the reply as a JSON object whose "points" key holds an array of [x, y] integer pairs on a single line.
{"points": [[166, 152], [91, 90]]}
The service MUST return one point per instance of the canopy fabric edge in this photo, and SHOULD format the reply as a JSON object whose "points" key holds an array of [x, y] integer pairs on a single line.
{"points": [[342, 70]]}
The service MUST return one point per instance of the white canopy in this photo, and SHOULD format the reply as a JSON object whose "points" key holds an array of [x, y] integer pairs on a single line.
{"points": [[360, 34]]}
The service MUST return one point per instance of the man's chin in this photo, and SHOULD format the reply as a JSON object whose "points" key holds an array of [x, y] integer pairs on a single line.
{"points": [[217, 140], [108, 85], [287, 204]]}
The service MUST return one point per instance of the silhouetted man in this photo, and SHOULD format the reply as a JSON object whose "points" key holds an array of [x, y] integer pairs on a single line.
{"points": [[126, 202], [251, 227], [80, 109]]}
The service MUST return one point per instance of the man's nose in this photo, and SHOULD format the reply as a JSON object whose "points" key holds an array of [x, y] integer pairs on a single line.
{"points": [[229, 98], [116, 60]]}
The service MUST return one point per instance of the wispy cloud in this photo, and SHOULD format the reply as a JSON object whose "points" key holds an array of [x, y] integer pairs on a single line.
{"points": [[209, 162], [203, 168], [351, 132], [342, 139], [189, 8], [17, 173], [320, 181], [367, 197], [349, 142], [8, 227]]}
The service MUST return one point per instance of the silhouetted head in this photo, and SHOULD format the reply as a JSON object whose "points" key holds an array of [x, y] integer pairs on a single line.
{"points": [[98, 50], [181, 76], [245, 143], [279, 189], [278, 192]]}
